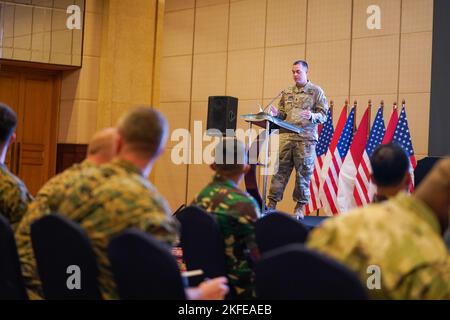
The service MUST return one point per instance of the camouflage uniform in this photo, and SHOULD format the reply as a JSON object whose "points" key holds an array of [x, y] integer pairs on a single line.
{"points": [[14, 197], [236, 211], [298, 150], [51, 193], [402, 237], [109, 199]]}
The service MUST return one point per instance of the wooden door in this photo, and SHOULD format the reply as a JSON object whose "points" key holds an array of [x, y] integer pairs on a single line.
{"points": [[9, 94], [34, 96]]}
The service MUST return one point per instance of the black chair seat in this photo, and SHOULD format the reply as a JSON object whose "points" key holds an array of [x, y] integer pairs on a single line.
{"points": [[311, 222], [62, 249], [202, 243], [278, 229], [11, 282], [293, 272], [144, 268]]}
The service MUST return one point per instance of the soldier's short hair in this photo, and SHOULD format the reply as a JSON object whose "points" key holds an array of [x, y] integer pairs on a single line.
{"points": [[230, 155], [8, 122], [143, 129], [390, 164], [302, 62]]}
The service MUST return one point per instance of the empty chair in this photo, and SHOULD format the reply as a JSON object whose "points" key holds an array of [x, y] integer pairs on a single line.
{"points": [[293, 272], [65, 260], [278, 229], [11, 282], [144, 268], [202, 243]]}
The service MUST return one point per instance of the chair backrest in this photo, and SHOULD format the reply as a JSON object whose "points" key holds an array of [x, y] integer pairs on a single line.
{"points": [[144, 268], [278, 229], [11, 282], [202, 243], [293, 272], [65, 260], [311, 222], [423, 167]]}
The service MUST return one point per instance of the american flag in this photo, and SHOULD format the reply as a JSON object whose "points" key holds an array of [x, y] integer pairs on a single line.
{"points": [[330, 186], [333, 145], [361, 191], [349, 169], [403, 138], [321, 149]]}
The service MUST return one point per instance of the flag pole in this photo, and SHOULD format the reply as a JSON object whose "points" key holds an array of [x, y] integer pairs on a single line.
{"points": [[355, 105], [369, 117]]}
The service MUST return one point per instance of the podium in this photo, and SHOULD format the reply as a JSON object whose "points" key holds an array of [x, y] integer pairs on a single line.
{"points": [[270, 124]]}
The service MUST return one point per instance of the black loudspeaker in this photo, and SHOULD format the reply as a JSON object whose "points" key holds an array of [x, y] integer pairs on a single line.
{"points": [[222, 113]]}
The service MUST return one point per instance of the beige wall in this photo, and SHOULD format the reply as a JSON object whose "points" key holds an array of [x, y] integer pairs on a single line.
{"points": [[120, 67], [35, 30], [245, 48], [80, 88]]}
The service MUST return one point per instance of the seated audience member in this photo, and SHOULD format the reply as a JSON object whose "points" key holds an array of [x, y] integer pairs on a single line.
{"points": [[390, 171], [236, 211], [402, 236], [14, 196], [111, 198], [101, 149]]}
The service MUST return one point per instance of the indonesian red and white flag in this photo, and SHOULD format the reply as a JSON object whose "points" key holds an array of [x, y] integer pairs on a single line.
{"points": [[345, 199]]}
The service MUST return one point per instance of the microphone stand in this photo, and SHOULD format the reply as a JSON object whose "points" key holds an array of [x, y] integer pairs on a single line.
{"points": [[268, 105]]}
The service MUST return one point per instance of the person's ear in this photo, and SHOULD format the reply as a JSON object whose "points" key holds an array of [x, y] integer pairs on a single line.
{"points": [[120, 144], [213, 166]]}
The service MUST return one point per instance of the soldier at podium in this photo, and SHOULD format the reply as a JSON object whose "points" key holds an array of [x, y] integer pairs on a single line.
{"points": [[304, 105]]}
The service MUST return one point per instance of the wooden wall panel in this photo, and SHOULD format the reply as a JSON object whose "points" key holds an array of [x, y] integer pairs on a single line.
{"points": [[247, 47]]}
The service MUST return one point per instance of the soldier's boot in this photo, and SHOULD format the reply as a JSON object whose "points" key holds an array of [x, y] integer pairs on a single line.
{"points": [[298, 211]]}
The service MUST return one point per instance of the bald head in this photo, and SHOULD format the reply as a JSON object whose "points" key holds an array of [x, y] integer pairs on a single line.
{"points": [[435, 191], [103, 146]]}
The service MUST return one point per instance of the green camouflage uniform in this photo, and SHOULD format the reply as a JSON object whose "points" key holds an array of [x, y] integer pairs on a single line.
{"points": [[51, 193], [400, 236], [236, 211], [298, 150], [14, 197], [109, 199]]}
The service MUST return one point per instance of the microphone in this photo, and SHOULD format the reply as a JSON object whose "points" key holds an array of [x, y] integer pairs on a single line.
{"points": [[268, 105]]}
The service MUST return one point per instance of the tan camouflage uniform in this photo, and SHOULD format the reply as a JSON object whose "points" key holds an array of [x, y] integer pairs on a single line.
{"points": [[236, 211], [109, 199], [51, 193], [298, 150], [402, 237], [14, 197]]}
